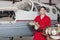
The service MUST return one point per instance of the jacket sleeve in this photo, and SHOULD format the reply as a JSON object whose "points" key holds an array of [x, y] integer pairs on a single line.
{"points": [[36, 19]]}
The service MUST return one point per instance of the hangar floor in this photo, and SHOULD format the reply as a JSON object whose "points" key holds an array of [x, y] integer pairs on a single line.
{"points": [[24, 38], [27, 38], [16, 38]]}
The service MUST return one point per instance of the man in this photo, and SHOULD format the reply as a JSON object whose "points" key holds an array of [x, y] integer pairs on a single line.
{"points": [[44, 22]]}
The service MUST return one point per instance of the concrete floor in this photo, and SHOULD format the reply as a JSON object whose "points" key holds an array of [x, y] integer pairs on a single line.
{"points": [[17, 38], [27, 38], [24, 38]]}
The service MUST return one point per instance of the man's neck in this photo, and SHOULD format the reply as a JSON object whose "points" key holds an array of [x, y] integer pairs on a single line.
{"points": [[42, 16]]}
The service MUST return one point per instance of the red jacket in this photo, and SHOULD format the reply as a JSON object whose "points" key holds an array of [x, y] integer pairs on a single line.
{"points": [[44, 23]]}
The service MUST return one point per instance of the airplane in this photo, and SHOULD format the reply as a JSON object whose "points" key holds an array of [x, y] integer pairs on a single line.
{"points": [[14, 20]]}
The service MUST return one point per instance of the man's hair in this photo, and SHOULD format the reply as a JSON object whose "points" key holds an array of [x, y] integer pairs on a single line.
{"points": [[42, 7]]}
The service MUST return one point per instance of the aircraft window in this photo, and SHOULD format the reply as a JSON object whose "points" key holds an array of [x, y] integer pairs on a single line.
{"points": [[25, 6], [54, 11], [34, 9], [47, 10], [38, 7], [58, 9]]}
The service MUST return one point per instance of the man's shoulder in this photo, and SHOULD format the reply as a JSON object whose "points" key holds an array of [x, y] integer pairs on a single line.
{"points": [[37, 16], [47, 17]]}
